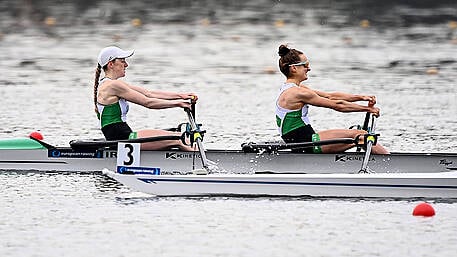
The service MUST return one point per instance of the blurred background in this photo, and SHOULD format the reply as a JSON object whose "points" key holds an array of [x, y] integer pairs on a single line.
{"points": [[22, 14]]}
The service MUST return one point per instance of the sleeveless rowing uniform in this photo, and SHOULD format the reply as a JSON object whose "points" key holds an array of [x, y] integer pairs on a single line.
{"points": [[294, 125], [113, 119]]}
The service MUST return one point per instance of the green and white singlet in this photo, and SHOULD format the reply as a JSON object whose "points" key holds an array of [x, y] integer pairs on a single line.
{"points": [[112, 113], [294, 125], [113, 119], [289, 120]]}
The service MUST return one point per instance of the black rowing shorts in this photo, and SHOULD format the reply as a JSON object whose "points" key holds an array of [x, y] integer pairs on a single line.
{"points": [[300, 135], [117, 131]]}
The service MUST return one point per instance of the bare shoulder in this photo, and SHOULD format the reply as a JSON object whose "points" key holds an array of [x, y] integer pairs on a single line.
{"points": [[304, 91], [304, 86], [295, 97], [116, 86], [316, 92]]}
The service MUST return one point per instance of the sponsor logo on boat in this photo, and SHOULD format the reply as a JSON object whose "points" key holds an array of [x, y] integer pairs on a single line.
{"points": [[175, 155], [69, 153], [111, 154], [349, 158], [445, 162], [138, 170]]}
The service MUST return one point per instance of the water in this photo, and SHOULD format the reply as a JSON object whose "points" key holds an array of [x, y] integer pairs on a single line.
{"points": [[86, 215], [226, 53]]}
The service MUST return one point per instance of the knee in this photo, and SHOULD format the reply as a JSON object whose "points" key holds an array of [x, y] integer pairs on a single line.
{"points": [[358, 132]]}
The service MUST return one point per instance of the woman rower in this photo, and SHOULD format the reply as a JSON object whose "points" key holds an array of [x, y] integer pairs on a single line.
{"points": [[112, 97], [294, 99]]}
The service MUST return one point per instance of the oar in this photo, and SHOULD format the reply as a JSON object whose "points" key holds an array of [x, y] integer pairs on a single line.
{"points": [[370, 141], [254, 147], [366, 121], [364, 127], [95, 144], [192, 109], [197, 137]]}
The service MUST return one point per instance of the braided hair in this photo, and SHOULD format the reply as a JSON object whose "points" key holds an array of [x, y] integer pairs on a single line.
{"points": [[98, 70]]}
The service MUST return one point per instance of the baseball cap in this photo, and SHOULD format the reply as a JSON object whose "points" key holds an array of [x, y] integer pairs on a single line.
{"points": [[110, 53]]}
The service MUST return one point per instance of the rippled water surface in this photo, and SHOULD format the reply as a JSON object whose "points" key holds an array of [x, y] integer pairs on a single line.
{"points": [[404, 53]]}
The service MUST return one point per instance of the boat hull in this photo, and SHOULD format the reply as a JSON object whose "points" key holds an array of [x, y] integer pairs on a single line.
{"points": [[224, 161], [385, 185]]}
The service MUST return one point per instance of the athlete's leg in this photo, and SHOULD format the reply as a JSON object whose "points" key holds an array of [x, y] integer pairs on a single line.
{"points": [[345, 133], [165, 144]]}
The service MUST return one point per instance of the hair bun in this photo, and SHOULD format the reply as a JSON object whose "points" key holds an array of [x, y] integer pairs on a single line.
{"points": [[283, 50]]}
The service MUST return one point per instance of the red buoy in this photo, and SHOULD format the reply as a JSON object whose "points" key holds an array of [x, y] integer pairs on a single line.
{"points": [[36, 135], [424, 209]]}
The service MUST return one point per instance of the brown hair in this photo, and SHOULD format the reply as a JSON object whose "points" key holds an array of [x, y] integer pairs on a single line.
{"points": [[288, 56], [98, 70]]}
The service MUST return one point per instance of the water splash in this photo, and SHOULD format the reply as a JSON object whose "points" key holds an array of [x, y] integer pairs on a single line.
{"points": [[213, 168]]}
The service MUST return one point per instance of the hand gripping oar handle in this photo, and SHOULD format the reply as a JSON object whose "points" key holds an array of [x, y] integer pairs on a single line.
{"points": [[370, 141], [197, 137]]}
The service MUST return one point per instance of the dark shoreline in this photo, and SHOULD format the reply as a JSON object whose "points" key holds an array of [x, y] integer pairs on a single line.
{"points": [[324, 12]]}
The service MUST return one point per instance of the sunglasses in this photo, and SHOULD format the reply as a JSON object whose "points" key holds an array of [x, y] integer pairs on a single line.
{"points": [[305, 63]]}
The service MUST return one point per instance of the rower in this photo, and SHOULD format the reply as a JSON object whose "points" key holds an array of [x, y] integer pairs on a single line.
{"points": [[294, 99], [112, 97]]}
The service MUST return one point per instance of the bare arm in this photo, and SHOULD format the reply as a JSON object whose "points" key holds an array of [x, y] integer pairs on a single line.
{"points": [[121, 89], [308, 96], [347, 97], [164, 94]]}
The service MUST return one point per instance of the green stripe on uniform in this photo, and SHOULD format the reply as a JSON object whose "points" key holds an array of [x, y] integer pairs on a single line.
{"points": [[111, 114], [292, 121], [315, 138]]}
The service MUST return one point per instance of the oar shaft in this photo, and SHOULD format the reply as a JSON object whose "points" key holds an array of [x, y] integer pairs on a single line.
{"points": [[370, 142], [249, 147], [373, 124], [197, 138], [79, 144], [364, 127], [192, 109], [202, 153], [366, 158]]}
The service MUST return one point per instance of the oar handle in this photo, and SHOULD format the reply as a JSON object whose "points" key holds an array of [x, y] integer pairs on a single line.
{"points": [[366, 121], [373, 124], [192, 109]]}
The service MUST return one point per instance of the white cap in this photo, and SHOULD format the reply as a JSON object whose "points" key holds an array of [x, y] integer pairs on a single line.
{"points": [[110, 53]]}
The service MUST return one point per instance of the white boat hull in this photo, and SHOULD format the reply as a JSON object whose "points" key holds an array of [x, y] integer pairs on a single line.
{"points": [[227, 161], [390, 185]]}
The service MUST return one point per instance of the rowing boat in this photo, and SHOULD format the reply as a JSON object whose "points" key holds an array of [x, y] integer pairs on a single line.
{"points": [[365, 185], [257, 169], [202, 182], [261, 158], [30, 154]]}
